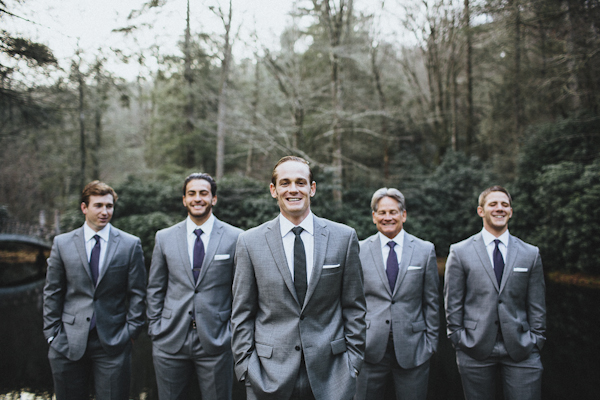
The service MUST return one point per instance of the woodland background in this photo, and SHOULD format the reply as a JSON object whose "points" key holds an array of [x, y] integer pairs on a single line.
{"points": [[472, 93]]}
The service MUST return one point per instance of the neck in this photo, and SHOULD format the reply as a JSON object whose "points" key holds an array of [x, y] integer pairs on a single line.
{"points": [[199, 221], [497, 233], [296, 220]]}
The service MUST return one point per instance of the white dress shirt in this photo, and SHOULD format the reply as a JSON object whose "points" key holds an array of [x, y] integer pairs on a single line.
{"points": [[90, 242], [385, 249], [488, 240], [308, 238], [190, 227]]}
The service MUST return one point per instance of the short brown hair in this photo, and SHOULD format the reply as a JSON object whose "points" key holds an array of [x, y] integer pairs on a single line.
{"points": [[291, 158], [97, 188], [495, 188]]}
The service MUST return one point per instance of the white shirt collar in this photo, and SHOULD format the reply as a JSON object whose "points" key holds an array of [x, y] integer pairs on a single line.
{"points": [[285, 225], [399, 239], [489, 238], [206, 227], [88, 233]]}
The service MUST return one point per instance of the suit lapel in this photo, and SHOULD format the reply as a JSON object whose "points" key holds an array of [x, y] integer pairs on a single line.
{"points": [[485, 259], [321, 237], [374, 248], [79, 241], [512, 251], [273, 237], [182, 245], [213, 245], [114, 237], [407, 251]]}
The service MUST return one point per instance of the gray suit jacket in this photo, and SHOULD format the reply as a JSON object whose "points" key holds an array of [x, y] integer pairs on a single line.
{"points": [[412, 307], [173, 295], [70, 298], [271, 329], [476, 306]]}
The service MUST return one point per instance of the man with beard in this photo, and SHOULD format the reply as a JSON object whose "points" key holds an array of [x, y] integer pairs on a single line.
{"points": [[494, 294], [189, 297]]}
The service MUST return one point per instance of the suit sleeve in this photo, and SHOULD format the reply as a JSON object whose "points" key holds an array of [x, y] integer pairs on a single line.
{"points": [[431, 300], [353, 303], [158, 280], [136, 288], [244, 308], [454, 295], [536, 302], [54, 292]]}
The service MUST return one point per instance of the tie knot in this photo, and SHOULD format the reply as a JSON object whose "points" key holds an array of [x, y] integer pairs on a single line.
{"points": [[97, 238], [297, 230], [392, 244], [497, 241], [198, 232]]}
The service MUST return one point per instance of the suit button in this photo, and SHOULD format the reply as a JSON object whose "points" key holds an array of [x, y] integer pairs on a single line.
{"points": [[87, 319], [195, 291], [387, 321], [189, 312], [297, 348], [393, 302], [499, 301], [302, 318]]}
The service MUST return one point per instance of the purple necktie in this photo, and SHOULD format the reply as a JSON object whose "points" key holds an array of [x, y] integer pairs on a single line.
{"points": [[94, 263], [391, 269], [498, 262], [198, 254]]}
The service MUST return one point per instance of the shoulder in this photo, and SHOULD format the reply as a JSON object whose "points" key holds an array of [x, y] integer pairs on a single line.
{"points": [[230, 229], [524, 245], [259, 231], [368, 241], [171, 229], [123, 235], [464, 244], [417, 241], [338, 228]]}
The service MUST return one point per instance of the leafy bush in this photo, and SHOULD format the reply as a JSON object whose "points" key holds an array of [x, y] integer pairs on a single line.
{"points": [[557, 194], [443, 210]]}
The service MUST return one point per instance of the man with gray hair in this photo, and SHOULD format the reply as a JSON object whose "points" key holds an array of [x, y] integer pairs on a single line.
{"points": [[401, 289]]}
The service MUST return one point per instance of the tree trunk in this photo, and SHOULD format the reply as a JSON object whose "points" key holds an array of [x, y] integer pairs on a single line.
{"points": [[222, 108], [188, 150], [469, 72]]}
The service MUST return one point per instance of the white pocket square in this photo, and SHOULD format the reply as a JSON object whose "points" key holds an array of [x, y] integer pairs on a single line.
{"points": [[221, 257], [331, 266], [413, 267], [520, 269]]}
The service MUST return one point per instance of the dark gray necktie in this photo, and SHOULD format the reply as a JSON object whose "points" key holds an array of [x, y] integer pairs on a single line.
{"points": [[198, 254], [299, 265], [391, 269], [94, 264], [498, 262]]}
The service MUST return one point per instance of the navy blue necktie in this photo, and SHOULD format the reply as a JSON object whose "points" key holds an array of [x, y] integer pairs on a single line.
{"points": [[498, 262], [198, 254], [391, 269], [94, 264], [299, 265]]}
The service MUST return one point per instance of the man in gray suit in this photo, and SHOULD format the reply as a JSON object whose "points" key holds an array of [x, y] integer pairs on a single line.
{"points": [[402, 295], [94, 302], [495, 306], [298, 315], [189, 297]]}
